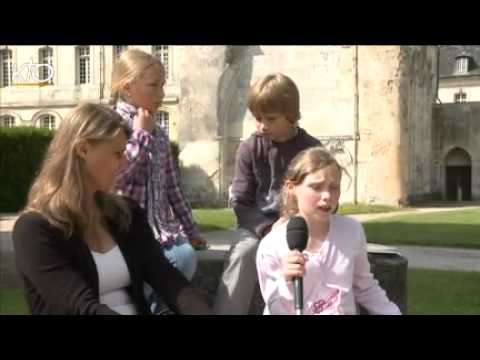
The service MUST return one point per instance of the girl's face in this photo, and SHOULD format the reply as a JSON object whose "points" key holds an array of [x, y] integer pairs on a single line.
{"points": [[103, 162], [317, 196], [147, 91]]}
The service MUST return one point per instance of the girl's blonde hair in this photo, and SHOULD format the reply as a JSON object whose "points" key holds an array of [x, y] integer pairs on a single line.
{"points": [[59, 190], [131, 64], [306, 162], [275, 93]]}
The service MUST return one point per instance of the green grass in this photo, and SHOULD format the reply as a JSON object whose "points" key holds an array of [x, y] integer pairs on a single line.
{"points": [[439, 292], [349, 208], [445, 229], [427, 294], [224, 219], [214, 219], [12, 302]]}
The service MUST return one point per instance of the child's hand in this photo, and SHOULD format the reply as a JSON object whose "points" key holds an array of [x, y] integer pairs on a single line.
{"points": [[198, 242], [144, 120], [293, 265]]}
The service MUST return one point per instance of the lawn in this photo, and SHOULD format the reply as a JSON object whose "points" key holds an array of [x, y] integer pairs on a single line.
{"points": [[224, 219], [446, 229], [214, 219], [12, 302], [460, 228], [426, 294], [432, 292], [348, 209]]}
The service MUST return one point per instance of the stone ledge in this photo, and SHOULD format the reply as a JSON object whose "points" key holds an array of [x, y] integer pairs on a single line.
{"points": [[388, 267]]}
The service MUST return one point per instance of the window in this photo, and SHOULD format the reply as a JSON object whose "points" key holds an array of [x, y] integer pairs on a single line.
{"points": [[162, 119], [6, 68], [45, 72], [161, 52], [462, 65], [47, 121], [83, 64], [7, 121], [460, 96], [118, 50]]}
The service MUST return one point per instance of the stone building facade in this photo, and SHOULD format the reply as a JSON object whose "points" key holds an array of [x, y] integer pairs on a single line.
{"points": [[372, 105]]}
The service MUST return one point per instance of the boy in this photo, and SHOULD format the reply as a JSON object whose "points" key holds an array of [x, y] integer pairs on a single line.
{"points": [[261, 162]]}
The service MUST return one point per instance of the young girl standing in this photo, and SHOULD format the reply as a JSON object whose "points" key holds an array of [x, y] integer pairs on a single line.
{"points": [[152, 176], [334, 266]]}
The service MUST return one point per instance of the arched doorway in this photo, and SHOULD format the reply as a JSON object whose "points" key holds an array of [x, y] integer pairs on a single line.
{"points": [[458, 175]]}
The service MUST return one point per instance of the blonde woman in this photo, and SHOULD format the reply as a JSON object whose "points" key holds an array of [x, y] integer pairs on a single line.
{"points": [[81, 250]]}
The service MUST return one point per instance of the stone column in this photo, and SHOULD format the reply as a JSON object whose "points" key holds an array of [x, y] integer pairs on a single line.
{"points": [[199, 73]]}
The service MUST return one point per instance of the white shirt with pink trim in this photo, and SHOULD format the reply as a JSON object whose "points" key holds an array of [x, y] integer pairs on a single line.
{"points": [[337, 277]]}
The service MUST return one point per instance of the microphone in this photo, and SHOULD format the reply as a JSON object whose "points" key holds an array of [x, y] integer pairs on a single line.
{"points": [[297, 237]]}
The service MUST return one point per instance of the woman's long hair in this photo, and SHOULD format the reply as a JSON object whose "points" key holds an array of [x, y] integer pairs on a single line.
{"points": [[59, 191]]}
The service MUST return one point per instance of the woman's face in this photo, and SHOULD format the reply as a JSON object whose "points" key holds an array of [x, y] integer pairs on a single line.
{"points": [[103, 161]]}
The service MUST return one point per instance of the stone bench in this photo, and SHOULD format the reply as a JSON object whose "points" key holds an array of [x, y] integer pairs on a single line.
{"points": [[388, 267]]}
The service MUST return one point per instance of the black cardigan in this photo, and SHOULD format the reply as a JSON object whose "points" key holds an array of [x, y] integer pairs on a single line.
{"points": [[60, 275]]}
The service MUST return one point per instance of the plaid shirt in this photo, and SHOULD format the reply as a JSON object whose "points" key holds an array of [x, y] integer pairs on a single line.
{"points": [[152, 179]]}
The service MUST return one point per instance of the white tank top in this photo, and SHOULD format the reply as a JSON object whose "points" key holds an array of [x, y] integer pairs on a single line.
{"points": [[113, 279]]}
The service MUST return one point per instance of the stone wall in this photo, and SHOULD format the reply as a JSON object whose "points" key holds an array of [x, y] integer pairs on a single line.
{"points": [[417, 98], [392, 87], [456, 125]]}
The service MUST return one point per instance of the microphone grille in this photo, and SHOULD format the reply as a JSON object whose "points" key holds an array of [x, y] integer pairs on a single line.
{"points": [[297, 233]]}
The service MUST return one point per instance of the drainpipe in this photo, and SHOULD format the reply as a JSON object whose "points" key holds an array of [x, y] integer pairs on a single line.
{"points": [[356, 136], [438, 74], [102, 72], [222, 123]]}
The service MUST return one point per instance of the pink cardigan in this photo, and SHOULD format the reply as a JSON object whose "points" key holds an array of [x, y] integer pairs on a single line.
{"points": [[337, 276]]}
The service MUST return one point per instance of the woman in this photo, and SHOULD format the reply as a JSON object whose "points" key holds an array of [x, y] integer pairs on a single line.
{"points": [[82, 250]]}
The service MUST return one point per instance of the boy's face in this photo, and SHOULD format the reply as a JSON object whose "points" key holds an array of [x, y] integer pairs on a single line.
{"points": [[275, 126]]}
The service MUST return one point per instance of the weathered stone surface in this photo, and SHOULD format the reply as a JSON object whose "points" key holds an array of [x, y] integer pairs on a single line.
{"points": [[8, 273], [456, 127], [391, 272], [389, 269], [396, 90]]}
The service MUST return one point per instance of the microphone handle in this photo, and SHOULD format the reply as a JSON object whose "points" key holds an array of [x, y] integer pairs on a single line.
{"points": [[298, 295]]}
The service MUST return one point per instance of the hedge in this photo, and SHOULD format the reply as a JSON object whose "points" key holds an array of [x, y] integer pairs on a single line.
{"points": [[21, 152]]}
